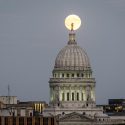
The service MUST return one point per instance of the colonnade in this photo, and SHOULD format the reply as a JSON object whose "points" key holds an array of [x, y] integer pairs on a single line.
{"points": [[72, 93]]}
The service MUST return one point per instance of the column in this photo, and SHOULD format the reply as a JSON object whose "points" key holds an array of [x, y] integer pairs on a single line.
{"points": [[70, 94], [75, 94], [85, 94], [81, 94], [64, 94]]}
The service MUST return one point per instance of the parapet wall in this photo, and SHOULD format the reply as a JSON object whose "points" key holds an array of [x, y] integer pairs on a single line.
{"points": [[37, 120]]}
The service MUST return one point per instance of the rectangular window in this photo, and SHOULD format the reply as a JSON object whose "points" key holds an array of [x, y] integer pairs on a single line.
{"points": [[67, 75], [77, 74], [45, 121], [52, 121], [62, 75], [29, 121], [68, 96], [72, 75], [77, 96], [21, 120]]}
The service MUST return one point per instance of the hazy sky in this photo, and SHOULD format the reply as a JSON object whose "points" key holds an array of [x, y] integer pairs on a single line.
{"points": [[32, 32]]}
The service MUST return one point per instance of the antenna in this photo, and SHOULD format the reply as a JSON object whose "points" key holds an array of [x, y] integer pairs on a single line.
{"points": [[8, 94]]}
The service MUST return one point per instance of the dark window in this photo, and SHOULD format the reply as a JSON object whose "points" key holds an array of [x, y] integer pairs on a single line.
{"points": [[21, 121], [14, 120], [68, 96], [62, 75], [0, 120], [72, 75], [45, 121], [67, 75], [72, 96], [29, 121], [82, 75], [52, 121], [77, 74], [6, 121]]}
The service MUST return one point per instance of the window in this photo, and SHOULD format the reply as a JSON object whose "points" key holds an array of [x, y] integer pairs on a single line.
{"points": [[77, 96], [67, 75], [62, 75], [52, 121], [45, 121], [63, 97], [72, 96], [77, 74], [29, 121], [82, 75], [21, 120], [72, 75], [68, 96]]}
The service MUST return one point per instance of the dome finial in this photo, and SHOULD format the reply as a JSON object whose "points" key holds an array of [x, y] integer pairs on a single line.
{"points": [[72, 22]]}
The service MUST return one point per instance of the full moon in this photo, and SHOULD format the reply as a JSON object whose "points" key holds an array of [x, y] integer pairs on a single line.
{"points": [[72, 22]]}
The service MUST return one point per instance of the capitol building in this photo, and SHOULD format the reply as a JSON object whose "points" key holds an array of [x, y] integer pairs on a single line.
{"points": [[72, 86]]}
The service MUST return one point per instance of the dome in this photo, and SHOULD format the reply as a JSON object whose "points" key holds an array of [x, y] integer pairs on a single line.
{"points": [[72, 57]]}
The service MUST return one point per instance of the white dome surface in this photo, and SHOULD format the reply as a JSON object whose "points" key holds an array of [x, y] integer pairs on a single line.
{"points": [[72, 57]]}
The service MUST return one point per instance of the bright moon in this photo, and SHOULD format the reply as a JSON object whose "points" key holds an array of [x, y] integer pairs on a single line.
{"points": [[72, 22]]}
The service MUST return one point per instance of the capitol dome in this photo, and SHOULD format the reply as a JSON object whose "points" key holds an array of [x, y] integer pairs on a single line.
{"points": [[72, 57]]}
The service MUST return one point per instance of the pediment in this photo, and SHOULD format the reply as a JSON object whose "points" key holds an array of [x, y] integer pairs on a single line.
{"points": [[75, 117]]}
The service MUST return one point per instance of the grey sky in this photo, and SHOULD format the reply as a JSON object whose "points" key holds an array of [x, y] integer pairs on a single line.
{"points": [[32, 32]]}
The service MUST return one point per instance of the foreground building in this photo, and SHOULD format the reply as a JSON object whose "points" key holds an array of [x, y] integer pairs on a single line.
{"points": [[10, 106]]}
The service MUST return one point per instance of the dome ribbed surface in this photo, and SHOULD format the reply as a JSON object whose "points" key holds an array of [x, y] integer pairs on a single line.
{"points": [[72, 57]]}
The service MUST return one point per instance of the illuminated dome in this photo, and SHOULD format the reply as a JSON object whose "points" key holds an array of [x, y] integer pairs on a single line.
{"points": [[72, 57]]}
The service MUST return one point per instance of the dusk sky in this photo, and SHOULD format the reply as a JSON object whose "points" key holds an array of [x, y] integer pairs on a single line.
{"points": [[32, 32]]}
